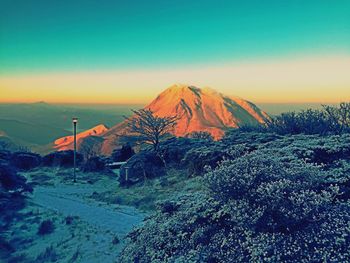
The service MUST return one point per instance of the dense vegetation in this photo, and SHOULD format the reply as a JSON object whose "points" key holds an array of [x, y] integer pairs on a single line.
{"points": [[328, 120], [12, 198], [270, 195]]}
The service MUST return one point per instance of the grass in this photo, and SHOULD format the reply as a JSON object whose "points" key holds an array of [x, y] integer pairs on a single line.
{"points": [[49, 255], [50, 176], [145, 195]]}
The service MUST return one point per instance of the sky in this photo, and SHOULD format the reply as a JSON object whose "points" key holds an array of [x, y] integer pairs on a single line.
{"points": [[92, 51]]}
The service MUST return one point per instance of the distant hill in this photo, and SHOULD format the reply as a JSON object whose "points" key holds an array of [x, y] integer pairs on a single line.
{"points": [[66, 143], [60, 116], [31, 133], [36, 125]]}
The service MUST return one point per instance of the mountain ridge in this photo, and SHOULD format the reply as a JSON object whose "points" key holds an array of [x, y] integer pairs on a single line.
{"points": [[198, 109]]}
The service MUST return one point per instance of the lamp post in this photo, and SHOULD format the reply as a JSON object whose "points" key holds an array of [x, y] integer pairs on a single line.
{"points": [[127, 176], [75, 121]]}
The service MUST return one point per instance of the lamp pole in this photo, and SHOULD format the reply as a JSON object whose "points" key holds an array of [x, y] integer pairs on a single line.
{"points": [[75, 121]]}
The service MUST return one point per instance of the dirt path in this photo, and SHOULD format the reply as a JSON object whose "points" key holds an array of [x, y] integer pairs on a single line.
{"points": [[71, 200], [91, 236]]}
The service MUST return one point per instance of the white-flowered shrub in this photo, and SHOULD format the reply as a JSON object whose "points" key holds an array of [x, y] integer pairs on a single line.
{"points": [[258, 207]]}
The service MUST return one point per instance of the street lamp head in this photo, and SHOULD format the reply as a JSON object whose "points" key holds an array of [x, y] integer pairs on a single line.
{"points": [[75, 120]]}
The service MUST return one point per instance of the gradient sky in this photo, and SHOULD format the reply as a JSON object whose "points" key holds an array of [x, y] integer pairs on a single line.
{"points": [[128, 51]]}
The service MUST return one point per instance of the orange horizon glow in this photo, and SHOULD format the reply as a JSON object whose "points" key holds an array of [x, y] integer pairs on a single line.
{"points": [[320, 79]]}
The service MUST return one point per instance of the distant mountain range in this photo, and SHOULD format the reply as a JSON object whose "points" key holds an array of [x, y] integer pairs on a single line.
{"points": [[198, 110], [38, 125]]}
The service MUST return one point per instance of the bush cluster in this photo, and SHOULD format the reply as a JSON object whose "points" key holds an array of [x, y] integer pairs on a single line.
{"points": [[62, 159], [284, 200], [94, 164], [328, 120], [123, 154], [25, 160]]}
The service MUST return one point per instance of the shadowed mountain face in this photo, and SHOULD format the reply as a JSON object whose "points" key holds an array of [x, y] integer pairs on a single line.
{"points": [[197, 109]]}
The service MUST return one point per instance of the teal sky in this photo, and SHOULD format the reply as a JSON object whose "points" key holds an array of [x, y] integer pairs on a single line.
{"points": [[61, 35]]}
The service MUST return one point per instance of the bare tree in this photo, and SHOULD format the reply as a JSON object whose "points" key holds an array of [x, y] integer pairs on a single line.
{"points": [[339, 117], [149, 127]]}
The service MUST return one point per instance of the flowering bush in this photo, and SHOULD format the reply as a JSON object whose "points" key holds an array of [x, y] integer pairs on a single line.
{"points": [[257, 208]]}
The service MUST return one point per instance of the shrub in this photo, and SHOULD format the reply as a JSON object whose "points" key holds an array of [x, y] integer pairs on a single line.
{"points": [[197, 159], [200, 135], [328, 120], [209, 156], [115, 240], [123, 154], [25, 160], [10, 180], [257, 208], [94, 164], [62, 159], [5, 156], [69, 220], [144, 165], [46, 227], [174, 150]]}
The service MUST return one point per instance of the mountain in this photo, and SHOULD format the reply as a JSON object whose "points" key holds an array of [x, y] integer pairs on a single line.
{"points": [[198, 110], [205, 110], [66, 143]]}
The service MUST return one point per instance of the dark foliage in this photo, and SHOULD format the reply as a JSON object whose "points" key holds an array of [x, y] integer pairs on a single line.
{"points": [[198, 158], [5, 156], [328, 120], [46, 227], [6, 248], [25, 160], [115, 240], [10, 180], [150, 164], [123, 154], [200, 135], [142, 166], [174, 150], [94, 164], [61, 159], [12, 199]]}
